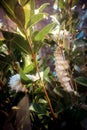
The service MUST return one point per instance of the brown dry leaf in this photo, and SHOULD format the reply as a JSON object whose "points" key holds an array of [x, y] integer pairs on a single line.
{"points": [[22, 121]]}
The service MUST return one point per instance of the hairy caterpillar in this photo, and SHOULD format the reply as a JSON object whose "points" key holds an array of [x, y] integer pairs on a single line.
{"points": [[62, 70]]}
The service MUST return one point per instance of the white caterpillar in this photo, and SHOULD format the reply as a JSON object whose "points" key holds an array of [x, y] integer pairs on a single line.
{"points": [[62, 70]]}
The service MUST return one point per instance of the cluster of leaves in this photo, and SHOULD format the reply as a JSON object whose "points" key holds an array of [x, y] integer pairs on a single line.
{"points": [[18, 51]]}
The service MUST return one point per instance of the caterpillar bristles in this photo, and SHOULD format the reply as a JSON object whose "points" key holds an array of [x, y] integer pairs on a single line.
{"points": [[62, 70]]}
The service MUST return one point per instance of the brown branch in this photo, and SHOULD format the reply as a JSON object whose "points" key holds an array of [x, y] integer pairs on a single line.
{"points": [[49, 102], [41, 82], [44, 89]]}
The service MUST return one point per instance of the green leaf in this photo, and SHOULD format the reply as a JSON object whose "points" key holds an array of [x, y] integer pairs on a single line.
{"points": [[14, 12], [77, 68], [43, 101], [22, 44], [37, 46], [32, 6], [24, 78], [46, 72], [41, 35], [19, 13], [74, 2], [27, 14], [45, 75], [1, 43], [82, 81], [65, 4], [23, 2], [39, 108], [62, 4], [29, 68], [43, 6], [16, 41], [35, 19], [8, 35], [9, 6], [56, 91]]}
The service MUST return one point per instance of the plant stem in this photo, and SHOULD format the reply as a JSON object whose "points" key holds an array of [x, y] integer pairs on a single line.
{"points": [[37, 68], [44, 89]]}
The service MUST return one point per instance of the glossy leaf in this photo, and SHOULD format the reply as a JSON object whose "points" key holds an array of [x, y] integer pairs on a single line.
{"points": [[29, 68], [16, 41], [27, 14], [9, 6], [82, 81], [24, 78], [23, 2], [41, 35], [37, 46], [35, 19], [32, 6], [45, 75], [77, 68], [46, 72], [19, 13], [43, 101], [43, 6], [39, 108]]}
